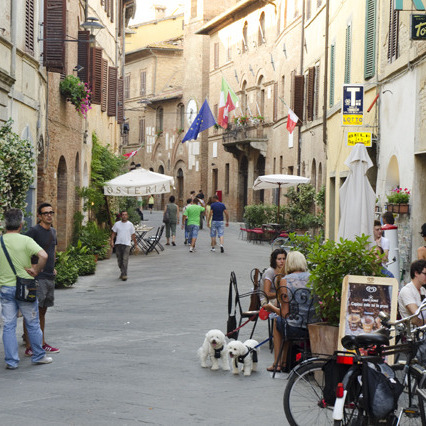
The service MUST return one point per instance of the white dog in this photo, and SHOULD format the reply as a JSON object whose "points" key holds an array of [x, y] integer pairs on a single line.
{"points": [[215, 347], [246, 353]]}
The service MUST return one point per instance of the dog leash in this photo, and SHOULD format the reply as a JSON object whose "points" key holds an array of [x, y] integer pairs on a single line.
{"points": [[241, 326], [260, 344]]}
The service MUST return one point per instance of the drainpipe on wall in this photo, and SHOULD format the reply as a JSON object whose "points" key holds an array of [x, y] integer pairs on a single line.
{"points": [[302, 42], [324, 115]]}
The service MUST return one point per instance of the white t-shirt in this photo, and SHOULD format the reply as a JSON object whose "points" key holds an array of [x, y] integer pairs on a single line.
{"points": [[384, 243], [124, 231], [408, 295]]}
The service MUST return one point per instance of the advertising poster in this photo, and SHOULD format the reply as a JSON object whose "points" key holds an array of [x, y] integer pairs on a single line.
{"points": [[362, 300]]}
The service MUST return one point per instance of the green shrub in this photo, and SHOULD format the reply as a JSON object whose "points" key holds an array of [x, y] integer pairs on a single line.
{"points": [[66, 270], [80, 256], [256, 215], [95, 239]]}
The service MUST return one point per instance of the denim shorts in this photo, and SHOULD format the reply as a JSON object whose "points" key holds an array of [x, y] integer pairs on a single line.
{"points": [[218, 227], [193, 231]]}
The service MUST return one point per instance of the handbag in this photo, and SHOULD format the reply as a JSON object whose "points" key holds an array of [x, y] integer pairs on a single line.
{"points": [[231, 324], [26, 288], [166, 216]]}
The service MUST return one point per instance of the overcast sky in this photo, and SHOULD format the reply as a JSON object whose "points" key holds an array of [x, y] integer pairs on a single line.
{"points": [[145, 9]]}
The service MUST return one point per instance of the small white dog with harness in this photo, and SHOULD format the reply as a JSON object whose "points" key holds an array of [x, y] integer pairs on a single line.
{"points": [[215, 348], [245, 353]]}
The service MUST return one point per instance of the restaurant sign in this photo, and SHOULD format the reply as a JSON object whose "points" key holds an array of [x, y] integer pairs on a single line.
{"points": [[418, 27]]}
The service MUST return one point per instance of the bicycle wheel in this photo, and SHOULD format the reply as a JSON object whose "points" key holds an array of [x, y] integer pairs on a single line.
{"points": [[408, 403], [303, 396], [280, 242]]}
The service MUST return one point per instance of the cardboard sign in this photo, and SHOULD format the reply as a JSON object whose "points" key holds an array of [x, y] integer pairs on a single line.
{"points": [[362, 300]]}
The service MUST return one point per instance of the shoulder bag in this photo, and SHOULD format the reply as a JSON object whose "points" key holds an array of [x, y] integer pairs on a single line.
{"points": [[26, 288], [166, 216]]}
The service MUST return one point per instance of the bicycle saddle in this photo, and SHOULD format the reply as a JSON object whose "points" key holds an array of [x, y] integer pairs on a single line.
{"points": [[364, 341]]}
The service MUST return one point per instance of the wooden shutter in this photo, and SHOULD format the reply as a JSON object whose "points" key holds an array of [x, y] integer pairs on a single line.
{"points": [[104, 85], [120, 108], [83, 55], [29, 26], [348, 48], [142, 131], [96, 74], [393, 32], [106, 7], [370, 40], [143, 83], [298, 95], [275, 110], [316, 90], [54, 35], [111, 10], [332, 73], [310, 94], [112, 91]]}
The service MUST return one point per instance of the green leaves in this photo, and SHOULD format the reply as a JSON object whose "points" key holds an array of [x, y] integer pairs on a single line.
{"points": [[16, 168]]}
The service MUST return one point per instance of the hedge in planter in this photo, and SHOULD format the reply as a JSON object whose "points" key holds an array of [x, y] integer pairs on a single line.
{"points": [[66, 270]]}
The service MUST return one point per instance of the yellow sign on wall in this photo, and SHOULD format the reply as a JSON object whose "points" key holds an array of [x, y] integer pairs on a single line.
{"points": [[359, 137], [352, 119]]}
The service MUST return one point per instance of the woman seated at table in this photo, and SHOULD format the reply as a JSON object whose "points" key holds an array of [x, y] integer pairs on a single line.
{"points": [[277, 267], [297, 277]]}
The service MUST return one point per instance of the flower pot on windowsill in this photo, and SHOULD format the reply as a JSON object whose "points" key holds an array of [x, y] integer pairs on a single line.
{"points": [[398, 208]]}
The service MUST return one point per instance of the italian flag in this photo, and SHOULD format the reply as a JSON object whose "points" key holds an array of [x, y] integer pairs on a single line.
{"points": [[227, 103]]}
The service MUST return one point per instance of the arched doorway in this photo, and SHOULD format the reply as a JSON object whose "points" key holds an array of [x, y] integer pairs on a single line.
{"points": [[314, 174], [242, 187], [77, 183], [163, 196], [179, 184], [259, 196], [61, 204]]}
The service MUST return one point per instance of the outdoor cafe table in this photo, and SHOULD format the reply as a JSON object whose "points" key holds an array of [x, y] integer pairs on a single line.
{"points": [[140, 232], [274, 229]]}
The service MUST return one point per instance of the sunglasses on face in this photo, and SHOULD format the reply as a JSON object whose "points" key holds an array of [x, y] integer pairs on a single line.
{"points": [[47, 213]]}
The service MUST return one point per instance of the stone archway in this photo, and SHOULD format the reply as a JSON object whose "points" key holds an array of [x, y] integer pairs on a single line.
{"points": [[392, 174], [314, 174], [162, 197], [180, 188], [61, 203], [77, 183], [259, 196], [242, 187]]}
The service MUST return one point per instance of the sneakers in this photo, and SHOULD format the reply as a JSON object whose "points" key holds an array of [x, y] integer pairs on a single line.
{"points": [[28, 352], [48, 349], [212, 249], [191, 250], [124, 278], [222, 250], [11, 367], [44, 360]]}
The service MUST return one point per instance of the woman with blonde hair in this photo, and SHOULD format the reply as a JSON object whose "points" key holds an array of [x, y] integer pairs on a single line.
{"points": [[297, 277]]}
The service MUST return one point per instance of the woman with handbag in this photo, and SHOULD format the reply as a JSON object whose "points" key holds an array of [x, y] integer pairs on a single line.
{"points": [[171, 218]]}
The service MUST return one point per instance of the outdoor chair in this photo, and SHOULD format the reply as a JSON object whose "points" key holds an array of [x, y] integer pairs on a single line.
{"points": [[152, 242], [252, 313], [292, 305]]}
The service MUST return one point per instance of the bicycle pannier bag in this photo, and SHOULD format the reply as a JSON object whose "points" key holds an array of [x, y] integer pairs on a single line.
{"points": [[333, 374], [383, 389]]}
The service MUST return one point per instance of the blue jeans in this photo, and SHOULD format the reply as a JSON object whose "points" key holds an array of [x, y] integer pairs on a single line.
{"points": [[9, 311]]}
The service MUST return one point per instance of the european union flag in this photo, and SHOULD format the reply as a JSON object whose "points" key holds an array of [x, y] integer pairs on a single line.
{"points": [[203, 121]]}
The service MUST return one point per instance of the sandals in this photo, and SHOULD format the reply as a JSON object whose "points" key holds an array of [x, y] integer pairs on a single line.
{"points": [[271, 369]]}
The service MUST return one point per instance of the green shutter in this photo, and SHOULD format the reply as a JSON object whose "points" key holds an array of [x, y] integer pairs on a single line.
{"points": [[348, 55], [332, 71], [370, 39]]}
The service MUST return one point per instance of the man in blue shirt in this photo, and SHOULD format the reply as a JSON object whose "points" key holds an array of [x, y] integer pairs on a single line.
{"points": [[217, 211]]}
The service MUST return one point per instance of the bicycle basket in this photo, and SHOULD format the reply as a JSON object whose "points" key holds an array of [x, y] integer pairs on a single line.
{"points": [[383, 389]]}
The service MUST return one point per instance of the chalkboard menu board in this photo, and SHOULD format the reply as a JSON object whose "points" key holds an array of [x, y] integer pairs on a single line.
{"points": [[362, 300]]}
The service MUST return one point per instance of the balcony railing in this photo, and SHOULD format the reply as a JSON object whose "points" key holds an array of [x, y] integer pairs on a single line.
{"points": [[244, 138]]}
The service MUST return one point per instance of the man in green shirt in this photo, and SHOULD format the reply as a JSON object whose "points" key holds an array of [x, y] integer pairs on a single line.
{"points": [[193, 214]]}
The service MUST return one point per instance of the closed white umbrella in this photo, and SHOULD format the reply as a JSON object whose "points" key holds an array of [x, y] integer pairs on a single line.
{"points": [[357, 198], [278, 181], [139, 182]]}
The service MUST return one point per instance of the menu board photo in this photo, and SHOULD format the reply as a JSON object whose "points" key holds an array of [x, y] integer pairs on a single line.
{"points": [[362, 300]]}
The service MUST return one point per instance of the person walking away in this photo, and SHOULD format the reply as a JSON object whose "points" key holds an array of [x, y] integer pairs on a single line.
{"points": [[201, 203], [217, 210], [20, 249], [150, 203], [381, 241], [125, 233], [421, 251], [173, 210], [44, 234], [208, 209], [184, 220], [193, 214]]}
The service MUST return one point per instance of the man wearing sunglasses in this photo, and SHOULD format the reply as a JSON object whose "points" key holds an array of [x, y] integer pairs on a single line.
{"points": [[45, 236]]}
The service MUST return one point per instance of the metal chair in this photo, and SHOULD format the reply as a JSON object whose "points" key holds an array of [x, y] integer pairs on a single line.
{"points": [[152, 242]]}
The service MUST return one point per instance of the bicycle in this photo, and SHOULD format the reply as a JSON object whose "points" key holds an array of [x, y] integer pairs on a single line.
{"points": [[307, 399]]}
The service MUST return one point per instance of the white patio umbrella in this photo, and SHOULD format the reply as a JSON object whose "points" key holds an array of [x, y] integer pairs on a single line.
{"points": [[357, 198], [137, 183], [278, 181]]}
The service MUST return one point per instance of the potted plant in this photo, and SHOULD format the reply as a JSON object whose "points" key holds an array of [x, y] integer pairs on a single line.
{"points": [[398, 200], [329, 262], [241, 121], [76, 92]]}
